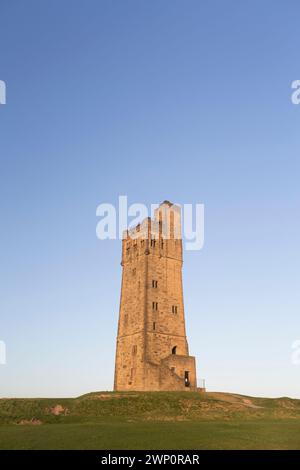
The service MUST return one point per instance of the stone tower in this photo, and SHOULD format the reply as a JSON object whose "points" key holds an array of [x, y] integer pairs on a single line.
{"points": [[152, 350]]}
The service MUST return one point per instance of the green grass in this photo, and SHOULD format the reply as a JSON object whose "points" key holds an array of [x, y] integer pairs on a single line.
{"points": [[158, 435], [151, 421]]}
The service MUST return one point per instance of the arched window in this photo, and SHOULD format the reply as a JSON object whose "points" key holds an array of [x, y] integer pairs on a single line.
{"points": [[174, 350]]}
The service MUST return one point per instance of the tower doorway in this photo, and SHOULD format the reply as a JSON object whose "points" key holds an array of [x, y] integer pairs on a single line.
{"points": [[186, 378]]}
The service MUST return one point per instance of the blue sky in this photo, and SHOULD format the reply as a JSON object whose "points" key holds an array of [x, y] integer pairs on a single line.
{"points": [[182, 100]]}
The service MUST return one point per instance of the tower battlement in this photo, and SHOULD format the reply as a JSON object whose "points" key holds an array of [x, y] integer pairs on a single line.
{"points": [[152, 349]]}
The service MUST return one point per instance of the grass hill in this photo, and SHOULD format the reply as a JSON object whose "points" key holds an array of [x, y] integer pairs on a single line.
{"points": [[151, 420]]}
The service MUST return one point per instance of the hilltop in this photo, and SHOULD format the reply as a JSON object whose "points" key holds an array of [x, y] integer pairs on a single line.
{"points": [[150, 420]]}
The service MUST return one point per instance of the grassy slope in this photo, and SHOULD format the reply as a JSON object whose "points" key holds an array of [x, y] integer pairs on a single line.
{"points": [[151, 420]]}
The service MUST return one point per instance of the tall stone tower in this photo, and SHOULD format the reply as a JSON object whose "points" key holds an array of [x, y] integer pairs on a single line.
{"points": [[152, 350]]}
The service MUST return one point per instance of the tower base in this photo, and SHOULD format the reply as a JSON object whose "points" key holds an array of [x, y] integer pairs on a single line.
{"points": [[174, 373]]}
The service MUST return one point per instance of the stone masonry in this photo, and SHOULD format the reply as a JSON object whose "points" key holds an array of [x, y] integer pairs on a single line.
{"points": [[152, 350]]}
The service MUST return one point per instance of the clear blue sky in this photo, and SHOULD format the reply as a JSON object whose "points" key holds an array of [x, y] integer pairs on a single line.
{"points": [[181, 100]]}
